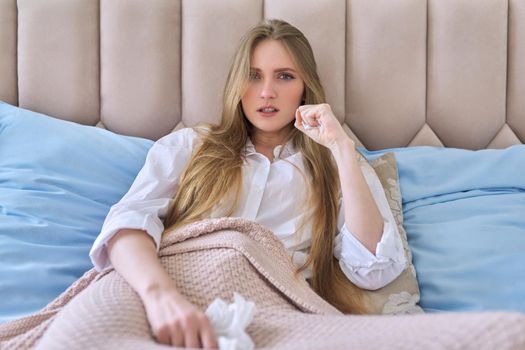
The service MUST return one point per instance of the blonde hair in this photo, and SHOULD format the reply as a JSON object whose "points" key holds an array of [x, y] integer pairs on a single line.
{"points": [[214, 171]]}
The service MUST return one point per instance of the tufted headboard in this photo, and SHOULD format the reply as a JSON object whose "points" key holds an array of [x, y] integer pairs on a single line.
{"points": [[397, 72]]}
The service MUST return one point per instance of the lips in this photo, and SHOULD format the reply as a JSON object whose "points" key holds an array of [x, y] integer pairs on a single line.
{"points": [[268, 109]]}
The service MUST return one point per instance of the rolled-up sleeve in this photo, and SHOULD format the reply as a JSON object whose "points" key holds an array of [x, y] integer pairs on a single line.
{"points": [[146, 203], [364, 269]]}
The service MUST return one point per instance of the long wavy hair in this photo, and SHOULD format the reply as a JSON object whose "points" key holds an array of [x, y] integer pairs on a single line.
{"points": [[214, 171]]}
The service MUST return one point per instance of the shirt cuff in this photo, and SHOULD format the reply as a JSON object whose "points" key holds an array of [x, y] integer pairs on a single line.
{"points": [[131, 220], [366, 270]]}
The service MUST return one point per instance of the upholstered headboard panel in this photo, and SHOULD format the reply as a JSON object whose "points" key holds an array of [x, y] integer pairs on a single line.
{"points": [[397, 72]]}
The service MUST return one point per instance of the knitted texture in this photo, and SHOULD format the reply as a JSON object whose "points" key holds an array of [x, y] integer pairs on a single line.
{"points": [[215, 258]]}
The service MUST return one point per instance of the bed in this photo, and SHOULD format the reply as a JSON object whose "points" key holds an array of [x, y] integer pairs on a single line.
{"points": [[87, 86]]}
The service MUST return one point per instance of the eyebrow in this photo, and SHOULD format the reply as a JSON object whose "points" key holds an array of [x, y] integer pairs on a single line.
{"points": [[276, 70]]}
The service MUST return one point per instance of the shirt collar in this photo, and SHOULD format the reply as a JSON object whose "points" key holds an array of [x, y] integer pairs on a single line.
{"points": [[288, 150]]}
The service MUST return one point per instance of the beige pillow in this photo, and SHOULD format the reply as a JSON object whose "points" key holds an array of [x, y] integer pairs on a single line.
{"points": [[401, 295]]}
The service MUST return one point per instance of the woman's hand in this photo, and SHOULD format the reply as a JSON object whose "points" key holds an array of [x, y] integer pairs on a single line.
{"points": [[320, 124], [175, 321]]}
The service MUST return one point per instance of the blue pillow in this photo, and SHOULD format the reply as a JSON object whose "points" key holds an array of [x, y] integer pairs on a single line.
{"points": [[58, 180], [464, 214]]}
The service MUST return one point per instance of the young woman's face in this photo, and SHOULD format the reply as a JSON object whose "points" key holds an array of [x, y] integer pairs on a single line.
{"points": [[274, 89]]}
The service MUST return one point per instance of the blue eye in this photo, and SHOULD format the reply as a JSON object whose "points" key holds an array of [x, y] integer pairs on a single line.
{"points": [[286, 76]]}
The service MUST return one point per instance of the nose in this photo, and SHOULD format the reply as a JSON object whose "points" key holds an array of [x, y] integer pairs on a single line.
{"points": [[268, 89]]}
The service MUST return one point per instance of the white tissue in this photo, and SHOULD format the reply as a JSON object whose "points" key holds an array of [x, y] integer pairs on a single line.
{"points": [[307, 126], [230, 321]]}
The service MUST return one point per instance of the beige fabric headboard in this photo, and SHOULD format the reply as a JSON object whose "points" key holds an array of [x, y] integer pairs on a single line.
{"points": [[396, 72]]}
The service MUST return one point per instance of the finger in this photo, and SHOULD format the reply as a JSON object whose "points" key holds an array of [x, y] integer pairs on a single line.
{"points": [[304, 108], [177, 336], [305, 120], [191, 338], [310, 116], [305, 111], [208, 338], [298, 115], [298, 120], [163, 336]]}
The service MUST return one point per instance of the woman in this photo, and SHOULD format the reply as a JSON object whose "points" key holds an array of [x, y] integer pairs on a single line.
{"points": [[277, 148]]}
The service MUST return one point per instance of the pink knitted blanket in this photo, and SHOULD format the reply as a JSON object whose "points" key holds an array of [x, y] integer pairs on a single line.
{"points": [[215, 258]]}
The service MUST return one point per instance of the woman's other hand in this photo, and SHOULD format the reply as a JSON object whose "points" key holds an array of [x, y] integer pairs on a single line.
{"points": [[175, 321], [320, 124]]}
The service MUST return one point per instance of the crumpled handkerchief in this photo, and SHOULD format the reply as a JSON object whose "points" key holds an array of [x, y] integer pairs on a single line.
{"points": [[230, 322], [307, 126]]}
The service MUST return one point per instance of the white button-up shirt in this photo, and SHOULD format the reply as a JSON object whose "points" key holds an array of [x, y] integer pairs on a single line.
{"points": [[273, 194]]}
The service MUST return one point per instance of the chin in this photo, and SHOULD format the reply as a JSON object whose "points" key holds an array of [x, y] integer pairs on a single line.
{"points": [[273, 128]]}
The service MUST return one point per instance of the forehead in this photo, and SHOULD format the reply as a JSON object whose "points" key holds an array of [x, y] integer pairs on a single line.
{"points": [[271, 53]]}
